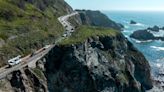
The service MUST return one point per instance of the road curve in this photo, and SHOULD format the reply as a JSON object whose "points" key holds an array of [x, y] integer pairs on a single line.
{"points": [[66, 24]]}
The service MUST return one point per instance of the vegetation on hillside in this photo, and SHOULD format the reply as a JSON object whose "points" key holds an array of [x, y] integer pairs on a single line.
{"points": [[74, 21], [26, 25], [84, 32]]}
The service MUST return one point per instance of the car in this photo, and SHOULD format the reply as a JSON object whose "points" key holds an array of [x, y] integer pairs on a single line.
{"points": [[14, 61], [64, 35], [46, 47], [33, 54]]}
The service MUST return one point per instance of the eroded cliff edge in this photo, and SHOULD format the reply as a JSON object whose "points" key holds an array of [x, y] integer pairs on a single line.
{"points": [[99, 64]]}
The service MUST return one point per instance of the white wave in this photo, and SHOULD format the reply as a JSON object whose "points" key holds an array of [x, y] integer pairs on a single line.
{"points": [[127, 31], [158, 63], [156, 89], [138, 41], [159, 41], [126, 36], [157, 76], [139, 24], [157, 48], [126, 26], [157, 34], [160, 60], [127, 22]]}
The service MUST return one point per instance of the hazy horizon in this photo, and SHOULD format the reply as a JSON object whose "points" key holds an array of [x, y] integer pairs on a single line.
{"points": [[118, 5]]}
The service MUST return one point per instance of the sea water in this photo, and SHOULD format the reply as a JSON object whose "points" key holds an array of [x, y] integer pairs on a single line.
{"points": [[152, 50]]}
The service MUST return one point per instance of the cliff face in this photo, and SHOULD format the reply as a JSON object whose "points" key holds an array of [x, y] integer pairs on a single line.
{"points": [[107, 63], [100, 64], [96, 18]]}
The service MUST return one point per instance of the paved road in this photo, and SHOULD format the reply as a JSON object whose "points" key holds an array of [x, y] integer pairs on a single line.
{"points": [[64, 21], [4, 71]]}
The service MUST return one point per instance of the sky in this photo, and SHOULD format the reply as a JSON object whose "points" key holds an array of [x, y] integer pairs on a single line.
{"points": [[129, 5]]}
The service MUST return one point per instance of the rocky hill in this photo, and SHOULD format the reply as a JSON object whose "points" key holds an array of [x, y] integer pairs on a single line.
{"points": [[95, 58], [101, 61], [105, 60], [96, 18]]}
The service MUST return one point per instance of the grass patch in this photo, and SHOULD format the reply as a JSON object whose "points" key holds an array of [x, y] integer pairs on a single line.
{"points": [[39, 73], [84, 32], [26, 29], [122, 78]]}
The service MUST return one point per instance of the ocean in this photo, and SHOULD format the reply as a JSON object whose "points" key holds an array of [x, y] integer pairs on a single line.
{"points": [[152, 50]]}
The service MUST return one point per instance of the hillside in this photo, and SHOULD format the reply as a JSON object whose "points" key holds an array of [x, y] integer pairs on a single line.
{"points": [[26, 25], [97, 18], [95, 58], [84, 32]]}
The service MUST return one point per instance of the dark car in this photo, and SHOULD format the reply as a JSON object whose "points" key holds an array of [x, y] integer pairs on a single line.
{"points": [[33, 54]]}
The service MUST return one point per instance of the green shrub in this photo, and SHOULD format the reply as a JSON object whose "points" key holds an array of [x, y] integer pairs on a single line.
{"points": [[84, 32], [31, 27]]}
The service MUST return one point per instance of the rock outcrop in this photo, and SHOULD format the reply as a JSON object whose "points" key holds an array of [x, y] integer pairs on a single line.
{"points": [[96, 18], [100, 64], [142, 35], [155, 28], [133, 22], [154, 33]]}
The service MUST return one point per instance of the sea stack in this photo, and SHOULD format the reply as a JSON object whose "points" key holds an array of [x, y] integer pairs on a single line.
{"points": [[133, 22]]}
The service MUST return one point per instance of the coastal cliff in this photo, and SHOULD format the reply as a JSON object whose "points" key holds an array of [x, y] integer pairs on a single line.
{"points": [[95, 58], [97, 18], [107, 63], [99, 62]]}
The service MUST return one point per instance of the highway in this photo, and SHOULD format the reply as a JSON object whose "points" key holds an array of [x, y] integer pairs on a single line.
{"points": [[31, 60], [64, 21]]}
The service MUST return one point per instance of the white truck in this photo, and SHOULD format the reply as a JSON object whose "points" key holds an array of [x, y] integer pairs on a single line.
{"points": [[46, 47], [15, 61]]}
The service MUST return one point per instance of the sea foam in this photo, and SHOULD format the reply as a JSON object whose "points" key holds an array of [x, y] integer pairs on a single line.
{"points": [[157, 34], [139, 24], [158, 48], [138, 41]]}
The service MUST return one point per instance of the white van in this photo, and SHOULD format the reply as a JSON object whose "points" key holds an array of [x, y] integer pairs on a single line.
{"points": [[14, 61]]}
